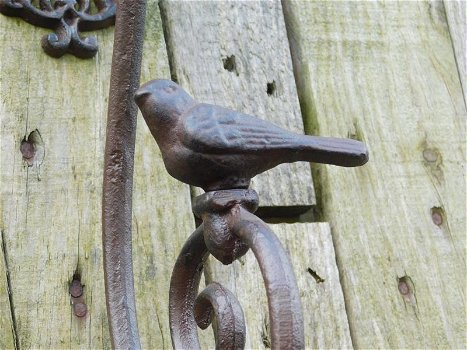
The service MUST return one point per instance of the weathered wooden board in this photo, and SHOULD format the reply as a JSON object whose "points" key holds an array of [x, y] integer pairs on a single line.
{"points": [[235, 54], [456, 13], [310, 247], [51, 216], [385, 73]]}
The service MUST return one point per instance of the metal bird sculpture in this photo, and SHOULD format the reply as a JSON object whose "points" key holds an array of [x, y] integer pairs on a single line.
{"points": [[216, 148]]}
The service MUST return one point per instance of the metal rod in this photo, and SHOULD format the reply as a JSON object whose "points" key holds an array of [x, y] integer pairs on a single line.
{"points": [[118, 174]]}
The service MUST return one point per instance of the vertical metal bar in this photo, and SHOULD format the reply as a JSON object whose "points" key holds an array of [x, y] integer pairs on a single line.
{"points": [[118, 174]]}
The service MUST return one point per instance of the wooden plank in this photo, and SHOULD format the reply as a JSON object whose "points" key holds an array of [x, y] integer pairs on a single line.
{"points": [[235, 54], [385, 73], [51, 211], [310, 249], [456, 13]]}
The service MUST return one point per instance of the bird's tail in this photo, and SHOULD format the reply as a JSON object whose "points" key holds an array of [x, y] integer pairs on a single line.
{"points": [[331, 150]]}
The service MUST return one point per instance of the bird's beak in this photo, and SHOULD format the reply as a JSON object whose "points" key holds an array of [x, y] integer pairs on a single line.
{"points": [[140, 95]]}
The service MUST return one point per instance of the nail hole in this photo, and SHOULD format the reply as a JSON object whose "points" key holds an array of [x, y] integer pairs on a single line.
{"points": [[32, 149], [271, 88], [406, 288], [27, 150], [431, 155], [313, 274], [230, 64], [437, 215], [433, 160]]}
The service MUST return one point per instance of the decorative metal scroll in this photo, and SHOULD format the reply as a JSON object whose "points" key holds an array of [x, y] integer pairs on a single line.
{"points": [[229, 229], [67, 18]]}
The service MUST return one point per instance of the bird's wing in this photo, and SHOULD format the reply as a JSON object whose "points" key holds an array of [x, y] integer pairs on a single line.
{"points": [[213, 129]]}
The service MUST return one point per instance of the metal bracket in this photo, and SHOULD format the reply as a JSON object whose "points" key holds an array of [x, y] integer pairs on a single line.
{"points": [[67, 18]]}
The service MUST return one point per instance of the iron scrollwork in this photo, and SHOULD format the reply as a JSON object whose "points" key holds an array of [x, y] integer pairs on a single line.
{"points": [[230, 229], [67, 18]]}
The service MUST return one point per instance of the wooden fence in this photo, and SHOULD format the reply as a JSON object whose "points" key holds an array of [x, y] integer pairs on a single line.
{"points": [[378, 251]]}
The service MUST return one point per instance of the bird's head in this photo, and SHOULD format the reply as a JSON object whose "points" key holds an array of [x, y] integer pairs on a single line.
{"points": [[162, 102]]}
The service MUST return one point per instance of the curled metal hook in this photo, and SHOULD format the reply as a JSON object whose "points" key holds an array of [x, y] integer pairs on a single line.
{"points": [[219, 304], [230, 229]]}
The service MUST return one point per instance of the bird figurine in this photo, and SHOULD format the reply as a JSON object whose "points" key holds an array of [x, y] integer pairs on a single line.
{"points": [[216, 148]]}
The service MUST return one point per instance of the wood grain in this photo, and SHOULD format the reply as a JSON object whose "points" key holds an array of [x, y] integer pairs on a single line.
{"points": [[232, 54], [311, 252], [385, 73], [51, 211], [456, 13]]}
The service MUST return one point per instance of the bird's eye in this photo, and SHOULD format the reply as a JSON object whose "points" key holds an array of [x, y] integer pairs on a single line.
{"points": [[169, 89]]}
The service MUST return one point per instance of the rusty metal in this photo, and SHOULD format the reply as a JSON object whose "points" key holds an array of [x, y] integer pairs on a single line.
{"points": [[228, 224], [80, 309], [186, 310], [184, 286], [228, 221], [216, 303], [118, 174], [77, 298], [220, 150], [67, 18], [76, 288], [216, 148]]}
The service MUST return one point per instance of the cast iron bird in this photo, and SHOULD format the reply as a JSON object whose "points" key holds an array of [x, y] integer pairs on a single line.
{"points": [[217, 148]]}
